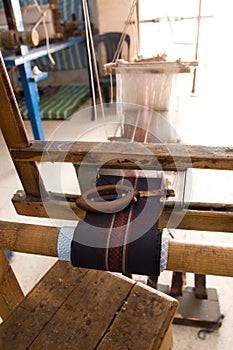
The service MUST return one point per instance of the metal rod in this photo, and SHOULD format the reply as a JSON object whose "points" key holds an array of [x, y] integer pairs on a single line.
{"points": [[197, 45]]}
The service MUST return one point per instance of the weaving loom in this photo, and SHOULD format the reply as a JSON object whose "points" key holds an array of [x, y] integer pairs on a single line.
{"points": [[136, 246], [81, 297], [151, 83]]}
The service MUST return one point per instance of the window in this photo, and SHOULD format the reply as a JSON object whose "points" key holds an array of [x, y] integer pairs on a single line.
{"points": [[171, 27]]}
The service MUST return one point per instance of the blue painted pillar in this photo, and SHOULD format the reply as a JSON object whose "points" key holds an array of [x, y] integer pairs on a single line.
{"points": [[32, 99]]}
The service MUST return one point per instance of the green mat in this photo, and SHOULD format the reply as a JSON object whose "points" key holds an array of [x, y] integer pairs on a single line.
{"points": [[61, 105]]}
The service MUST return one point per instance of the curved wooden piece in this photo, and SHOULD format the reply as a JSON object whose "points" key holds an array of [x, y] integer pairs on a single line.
{"points": [[87, 201]]}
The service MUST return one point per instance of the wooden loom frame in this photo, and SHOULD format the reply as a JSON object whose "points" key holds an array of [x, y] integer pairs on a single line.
{"points": [[209, 259]]}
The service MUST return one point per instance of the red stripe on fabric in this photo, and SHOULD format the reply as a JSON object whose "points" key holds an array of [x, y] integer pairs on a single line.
{"points": [[118, 234], [117, 241]]}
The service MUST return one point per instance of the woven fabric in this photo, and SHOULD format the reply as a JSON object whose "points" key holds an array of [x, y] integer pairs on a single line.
{"points": [[164, 252], [64, 242], [61, 105], [126, 242]]}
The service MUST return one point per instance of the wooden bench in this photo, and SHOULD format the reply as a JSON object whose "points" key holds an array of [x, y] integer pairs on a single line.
{"points": [[74, 308]]}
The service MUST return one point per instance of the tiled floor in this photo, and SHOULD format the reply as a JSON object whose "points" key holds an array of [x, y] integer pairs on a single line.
{"points": [[197, 125]]}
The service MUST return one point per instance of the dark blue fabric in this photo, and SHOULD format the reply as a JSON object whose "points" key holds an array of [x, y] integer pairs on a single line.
{"points": [[135, 250]]}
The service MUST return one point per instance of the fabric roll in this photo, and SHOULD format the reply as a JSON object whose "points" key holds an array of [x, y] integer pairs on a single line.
{"points": [[126, 242]]}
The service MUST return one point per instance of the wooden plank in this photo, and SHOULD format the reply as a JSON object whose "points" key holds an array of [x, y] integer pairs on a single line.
{"points": [[4, 308], [59, 206], [210, 206], [86, 314], [128, 155], [167, 343], [11, 122], [15, 135], [200, 258], [142, 322], [10, 291], [36, 310], [198, 220], [209, 217], [77, 308]]}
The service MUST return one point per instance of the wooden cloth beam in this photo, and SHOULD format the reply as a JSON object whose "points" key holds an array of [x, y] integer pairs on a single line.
{"points": [[201, 258], [27, 238]]}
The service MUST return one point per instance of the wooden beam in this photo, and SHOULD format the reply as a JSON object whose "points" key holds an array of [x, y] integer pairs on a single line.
{"points": [[200, 258], [15, 135], [210, 206], [197, 220], [127, 155], [26, 238], [58, 206], [10, 291]]}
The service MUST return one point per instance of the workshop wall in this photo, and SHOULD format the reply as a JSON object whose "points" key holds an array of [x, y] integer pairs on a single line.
{"points": [[112, 18]]}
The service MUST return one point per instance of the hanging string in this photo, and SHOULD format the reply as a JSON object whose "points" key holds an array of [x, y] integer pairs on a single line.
{"points": [[89, 58], [92, 58], [93, 51], [132, 137], [111, 88], [137, 29], [124, 31], [120, 44]]}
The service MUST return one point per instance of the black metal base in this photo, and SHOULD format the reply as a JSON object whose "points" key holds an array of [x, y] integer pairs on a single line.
{"points": [[204, 313]]}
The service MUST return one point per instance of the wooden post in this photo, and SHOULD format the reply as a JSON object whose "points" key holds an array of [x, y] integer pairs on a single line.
{"points": [[10, 291], [15, 135]]}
